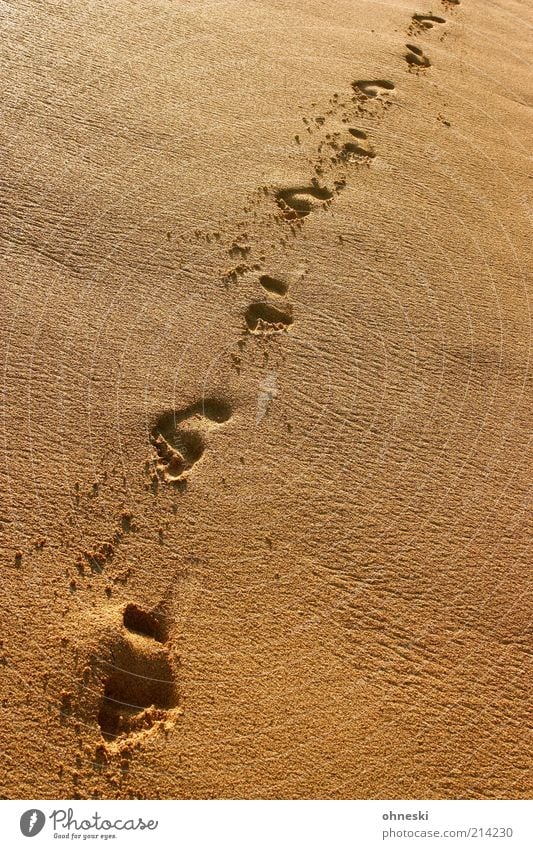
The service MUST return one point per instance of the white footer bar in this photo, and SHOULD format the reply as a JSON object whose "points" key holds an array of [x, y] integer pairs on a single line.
{"points": [[268, 824]]}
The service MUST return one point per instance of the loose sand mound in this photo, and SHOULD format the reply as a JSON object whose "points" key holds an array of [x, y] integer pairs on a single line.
{"points": [[266, 399]]}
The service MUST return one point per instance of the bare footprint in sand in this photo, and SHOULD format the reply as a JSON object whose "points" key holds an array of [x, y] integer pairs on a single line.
{"points": [[138, 682], [360, 146], [372, 88], [128, 686], [179, 437], [300, 201], [263, 319], [415, 57], [421, 22]]}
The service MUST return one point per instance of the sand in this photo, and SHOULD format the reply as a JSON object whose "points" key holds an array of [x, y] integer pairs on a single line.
{"points": [[266, 399]]}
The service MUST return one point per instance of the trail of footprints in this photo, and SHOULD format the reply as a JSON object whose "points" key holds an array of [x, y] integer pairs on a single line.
{"points": [[132, 682]]}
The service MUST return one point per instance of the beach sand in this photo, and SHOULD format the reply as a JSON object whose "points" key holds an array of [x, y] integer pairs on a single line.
{"points": [[266, 399]]}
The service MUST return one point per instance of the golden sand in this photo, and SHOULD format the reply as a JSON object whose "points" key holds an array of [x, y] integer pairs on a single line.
{"points": [[266, 349]]}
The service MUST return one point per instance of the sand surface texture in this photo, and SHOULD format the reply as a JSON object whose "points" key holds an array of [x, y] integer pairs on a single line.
{"points": [[266, 398]]}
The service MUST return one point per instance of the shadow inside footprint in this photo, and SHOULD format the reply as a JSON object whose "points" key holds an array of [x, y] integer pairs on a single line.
{"points": [[273, 284], [358, 134], [263, 318], [372, 88], [299, 201], [142, 622]]}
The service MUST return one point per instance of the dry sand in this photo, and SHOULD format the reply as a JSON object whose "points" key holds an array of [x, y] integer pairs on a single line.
{"points": [[266, 399]]}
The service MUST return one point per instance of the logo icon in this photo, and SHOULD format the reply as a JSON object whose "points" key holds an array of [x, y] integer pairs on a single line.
{"points": [[32, 822]]}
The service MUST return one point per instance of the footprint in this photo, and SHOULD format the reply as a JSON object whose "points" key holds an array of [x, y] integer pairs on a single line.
{"points": [[179, 437], [299, 201], [361, 147], [273, 284], [265, 319], [420, 22], [372, 88], [138, 686], [416, 57]]}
